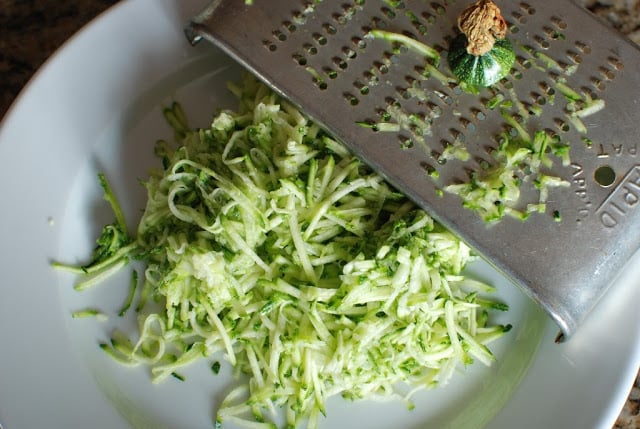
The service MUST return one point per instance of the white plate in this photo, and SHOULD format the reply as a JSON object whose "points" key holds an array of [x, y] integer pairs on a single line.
{"points": [[96, 107]]}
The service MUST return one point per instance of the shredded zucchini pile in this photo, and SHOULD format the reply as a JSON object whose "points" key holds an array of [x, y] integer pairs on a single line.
{"points": [[267, 243]]}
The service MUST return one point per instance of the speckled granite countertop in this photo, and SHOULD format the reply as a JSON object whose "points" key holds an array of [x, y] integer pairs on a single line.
{"points": [[31, 30]]}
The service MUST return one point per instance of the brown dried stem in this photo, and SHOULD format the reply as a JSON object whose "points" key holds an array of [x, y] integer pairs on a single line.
{"points": [[482, 23]]}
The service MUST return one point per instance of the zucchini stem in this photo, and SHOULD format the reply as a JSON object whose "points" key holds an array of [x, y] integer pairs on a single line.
{"points": [[482, 23]]}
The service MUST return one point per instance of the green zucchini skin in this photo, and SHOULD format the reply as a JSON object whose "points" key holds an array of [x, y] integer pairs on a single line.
{"points": [[483, 70]]}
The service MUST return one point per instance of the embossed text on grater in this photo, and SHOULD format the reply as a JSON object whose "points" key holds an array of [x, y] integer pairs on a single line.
{"points": [[321, 56]]}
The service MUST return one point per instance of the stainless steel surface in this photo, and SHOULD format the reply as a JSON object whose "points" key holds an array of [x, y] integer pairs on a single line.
{"points": [[319, 56]]}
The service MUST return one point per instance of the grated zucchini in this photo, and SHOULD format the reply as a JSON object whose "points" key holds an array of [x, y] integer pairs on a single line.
{"points": [[269, 246]]}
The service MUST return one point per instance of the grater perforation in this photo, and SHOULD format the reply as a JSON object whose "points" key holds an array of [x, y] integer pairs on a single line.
{"points": [[404, 114]]}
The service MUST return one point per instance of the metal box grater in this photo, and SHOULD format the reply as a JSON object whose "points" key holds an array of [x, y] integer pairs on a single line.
{"points": [[320, 55]]}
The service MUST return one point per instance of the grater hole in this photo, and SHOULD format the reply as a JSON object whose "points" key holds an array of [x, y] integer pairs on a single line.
{"points": [[554, 34], [421, 71], [554, 76], [574, 56], [479, 115], [544, 87], [370, 78], [320, 39], [390, 14], [289, 26], [598, 84], [589, 92], [438, 8], [377, 22], [562, 125], [349, 53], [384, 115], [329, 29], [279, 35], [563, 65], [605, 176], [405, 142], [392, 102], [500, 140], [483, 163], [467, 124], [523, 62], [429, 169], [390, 58], [608, 74], [543, 43], [349, 10], [415, 22], [552, 135], [351, 99], [300, 59], [403, 93], [269, 45], [583, 47], [430, 19], [310, 49], [339, 19], [359, 43], [527, 8], [448, 100], [616, 63], [362, 88], [298, 17], [519, 17], [559, 22], [331, 73], [547, 89], [400, 48], [435, 111], [340, 63], [437, 156]]}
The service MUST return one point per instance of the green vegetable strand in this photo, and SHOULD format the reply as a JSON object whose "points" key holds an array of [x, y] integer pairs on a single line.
{"points": [[270, 248]]}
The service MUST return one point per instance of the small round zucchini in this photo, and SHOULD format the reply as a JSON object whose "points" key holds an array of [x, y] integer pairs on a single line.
{"points": [[480, 70], [481, 54]]}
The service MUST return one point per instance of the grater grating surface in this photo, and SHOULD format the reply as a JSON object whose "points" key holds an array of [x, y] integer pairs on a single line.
{"points": [[320, 56]]}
